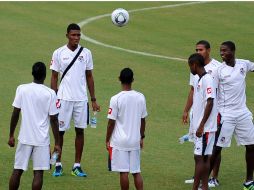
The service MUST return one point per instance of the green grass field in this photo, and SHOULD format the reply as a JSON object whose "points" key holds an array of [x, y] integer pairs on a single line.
{"points": [[31, 31]]}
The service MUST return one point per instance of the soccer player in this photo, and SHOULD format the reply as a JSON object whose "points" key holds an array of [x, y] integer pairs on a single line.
{"points": [[72, 93], [37, 103], [211, 65], [126, 131], [204, 119], [236, 117]]}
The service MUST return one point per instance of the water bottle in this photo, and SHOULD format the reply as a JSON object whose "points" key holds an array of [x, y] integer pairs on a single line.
{"points": [[184, 138], [53, 158], [94, 120]]}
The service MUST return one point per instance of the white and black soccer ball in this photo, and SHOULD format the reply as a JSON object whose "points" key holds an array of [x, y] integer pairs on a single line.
{"points": [[120, 17]]}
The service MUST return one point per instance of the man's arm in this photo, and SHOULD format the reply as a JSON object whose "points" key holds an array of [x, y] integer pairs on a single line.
{"points": [[110, 129], [142, 131], [55, 130], [90, 85], [208, 109], [13, 125], [54, 80], [188, 106]]}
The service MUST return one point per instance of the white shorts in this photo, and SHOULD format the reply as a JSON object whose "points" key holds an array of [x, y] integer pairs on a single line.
{"points": [[39, 154], [124, 161], [204, 145], [78, 110], [242, 127]]}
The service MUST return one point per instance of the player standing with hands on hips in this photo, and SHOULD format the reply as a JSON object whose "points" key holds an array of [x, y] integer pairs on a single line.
{"points": [[75, 65], [126, 131], [37, 103]]}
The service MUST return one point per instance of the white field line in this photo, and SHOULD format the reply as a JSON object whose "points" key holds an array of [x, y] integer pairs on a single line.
{"points": [[87, 38]]}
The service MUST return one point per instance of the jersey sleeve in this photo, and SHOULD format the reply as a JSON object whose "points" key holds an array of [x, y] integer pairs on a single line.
{"points": [[89, 65], [209, 89], [250, 65], [54, 65], [53, 108], [191, 83], [144, 111], [113, 110], [17, 103]]}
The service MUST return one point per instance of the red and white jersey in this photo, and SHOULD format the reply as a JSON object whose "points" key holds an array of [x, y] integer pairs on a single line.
{"points": [[210, 68], [127, 108], [232, 85], [37, 102], [204, 89], [73, 85]]}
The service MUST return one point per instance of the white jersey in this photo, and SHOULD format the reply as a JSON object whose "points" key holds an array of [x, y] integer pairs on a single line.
{"points": [[231, 91], [36, 102], [73, 85], [127, 108], [204, 89], [210, 68]]}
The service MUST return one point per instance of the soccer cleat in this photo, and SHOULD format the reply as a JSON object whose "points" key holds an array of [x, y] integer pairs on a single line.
{"points": [[77, 171], [189, 181], [58, 171], [248, 187], [213, 182]]}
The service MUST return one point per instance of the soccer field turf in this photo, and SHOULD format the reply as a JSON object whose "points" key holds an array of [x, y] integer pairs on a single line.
{"points": [[31, 31]]}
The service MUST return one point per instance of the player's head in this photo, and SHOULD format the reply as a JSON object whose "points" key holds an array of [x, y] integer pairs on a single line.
{"points": [[203, 48], [196, 61], [227, 51], [39, 71], [73, 34], [126, 76]]}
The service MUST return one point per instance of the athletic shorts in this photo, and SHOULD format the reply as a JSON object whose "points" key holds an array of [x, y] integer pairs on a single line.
{"points": [[204, 145], [124, 161], [78, 110], [39, 154], [242, 127]]}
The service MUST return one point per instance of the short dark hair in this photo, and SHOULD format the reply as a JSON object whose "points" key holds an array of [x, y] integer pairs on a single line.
{"points": [[126, 76], [204, 43], [39, 71], [72, 26], [229, 44], [198, 59]]}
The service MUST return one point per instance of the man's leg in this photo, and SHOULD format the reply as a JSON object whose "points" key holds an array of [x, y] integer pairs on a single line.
{"points": [[124, 180], [79, 144], [249, 156], [198, 171], [215, 157], [15, 179], [38, 180], [138, 181], [61, 140]]}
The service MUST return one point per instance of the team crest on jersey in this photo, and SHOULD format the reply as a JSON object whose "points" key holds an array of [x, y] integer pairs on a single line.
{"points": [[58, 104], [61, 124], [209, 90], [109, 110], [242, 71], [81, 58]]}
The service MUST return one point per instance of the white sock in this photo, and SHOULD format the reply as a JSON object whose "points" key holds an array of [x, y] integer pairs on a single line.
{"points": [[248, 183], [58, 164], [76, 165]]}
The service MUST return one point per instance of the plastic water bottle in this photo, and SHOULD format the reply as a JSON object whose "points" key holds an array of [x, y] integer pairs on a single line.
{"points": [[94, 120], [184, 138], [53, 158]]}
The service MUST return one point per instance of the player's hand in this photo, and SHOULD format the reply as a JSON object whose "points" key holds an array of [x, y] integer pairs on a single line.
{"points": [[57, 149], [11, 142], [185, 118], [107, 145], [200, 131], [95, 106], [141, 143]]}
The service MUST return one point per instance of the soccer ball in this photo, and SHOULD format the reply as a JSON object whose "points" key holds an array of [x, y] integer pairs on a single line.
{"points": [[120, 17]]}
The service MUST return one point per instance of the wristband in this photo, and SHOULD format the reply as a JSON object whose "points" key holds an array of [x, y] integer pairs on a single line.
{"points": [[93, 99]]}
